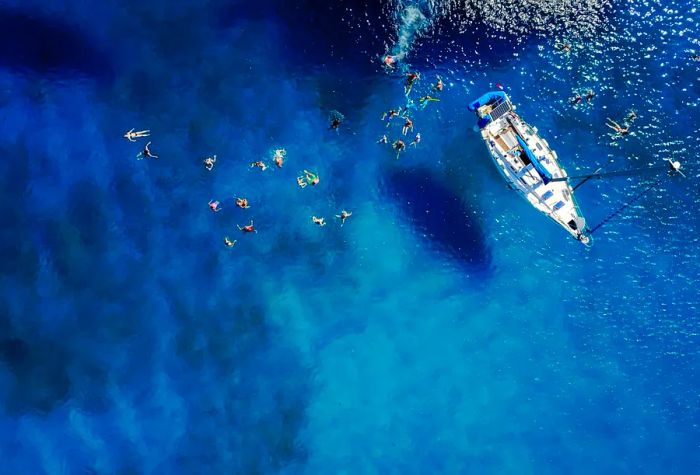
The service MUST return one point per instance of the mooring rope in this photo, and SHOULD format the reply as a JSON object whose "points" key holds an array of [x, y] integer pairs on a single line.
{"points": [[626, 205]]}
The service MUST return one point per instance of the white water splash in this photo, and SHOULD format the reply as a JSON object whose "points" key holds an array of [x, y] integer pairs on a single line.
{"points": [[517, 18]]}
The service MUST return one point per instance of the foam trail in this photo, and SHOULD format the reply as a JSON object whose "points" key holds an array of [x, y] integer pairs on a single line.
{"points": [[411, 22]]}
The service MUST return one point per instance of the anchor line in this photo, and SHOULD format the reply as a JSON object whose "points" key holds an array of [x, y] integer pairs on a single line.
{"points": [[626, 205]]}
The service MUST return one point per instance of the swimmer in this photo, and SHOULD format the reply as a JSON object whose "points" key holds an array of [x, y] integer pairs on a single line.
{"points": [[230, 243], [695, 57], [617, 127], [311, 178], [423, 101], [416, 140], [248, 228], [278, 157], [146, 153], [384, 139], [590, 95], [565, 47], [319, 221], [399, 146], [389, 61], [214, 206], [336, 119], [131, 135], [242, 203], [576, 99], [209, 162], [439, 85], [260, 164], [343, 216], [390, 114], [407, 125], [411, 78], [308, 178], [631, 115]]}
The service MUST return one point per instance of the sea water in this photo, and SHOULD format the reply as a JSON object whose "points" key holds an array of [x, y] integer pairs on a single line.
{"points": [[447, 327]]}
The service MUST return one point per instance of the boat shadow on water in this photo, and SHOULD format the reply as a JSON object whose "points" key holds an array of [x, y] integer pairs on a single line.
{"points": [[445, 217]]}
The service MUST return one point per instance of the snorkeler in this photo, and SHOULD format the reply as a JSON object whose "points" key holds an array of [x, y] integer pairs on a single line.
{"points": [[695, 57], [590, 95], [416, 140], [423, 101], [390, 114], [576, 99], [617, 127], [631, 115], [214, 206], [399, 146], [336, 119], [230, 243], [407, 125], [146, 153], [411, 78], [308, 178], [384, 139], [278, 157], [319, 221], [242, 203], [209, 162], [260, 164], [248, 228], [343, 216], [439, 85], [131, 135]]}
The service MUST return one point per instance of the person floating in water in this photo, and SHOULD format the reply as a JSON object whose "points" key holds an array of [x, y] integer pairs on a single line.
{"points": [[399, 146], [390, 114], [423, 101], [576, 99], [131, 135], [407, 125], [590, 94], [146, 153], [209, 162], [336, 119], [565, 47], [278, 157], [621, 131], [308, 178], [384, 139], [631, 116], [416, 140], [260, 164], [389, 61], [230, 243], [242, 203], [695, 57], [319, 221], [411, 79], [439, 85], [248, 228], [343, 216], [215, 206]]}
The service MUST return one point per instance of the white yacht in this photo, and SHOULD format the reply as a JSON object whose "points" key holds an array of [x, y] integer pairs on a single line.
{"points": [[527, 163]]}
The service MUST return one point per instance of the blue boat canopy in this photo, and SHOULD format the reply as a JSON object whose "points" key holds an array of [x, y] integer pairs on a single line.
{"points": [[495, 96], [541, 170]]}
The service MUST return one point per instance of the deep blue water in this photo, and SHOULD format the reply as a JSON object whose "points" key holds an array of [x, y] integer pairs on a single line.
{"points": [[445, 328]]}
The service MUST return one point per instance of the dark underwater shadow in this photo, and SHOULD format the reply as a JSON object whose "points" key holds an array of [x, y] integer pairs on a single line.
{"points": [[46, 46], [444, 216]]}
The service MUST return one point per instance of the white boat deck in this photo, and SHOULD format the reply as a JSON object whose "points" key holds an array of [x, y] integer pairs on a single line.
{"points": [[555, 198]]}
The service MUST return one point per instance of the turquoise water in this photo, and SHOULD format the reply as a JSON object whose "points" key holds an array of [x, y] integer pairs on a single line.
{"points": [[445, 328]]}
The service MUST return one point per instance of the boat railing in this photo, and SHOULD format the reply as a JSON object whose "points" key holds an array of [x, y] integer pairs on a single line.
{"points": [[501, 109]]}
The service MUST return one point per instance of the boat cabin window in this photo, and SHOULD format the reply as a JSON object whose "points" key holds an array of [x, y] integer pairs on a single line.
{"points": [[539, 146]]}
